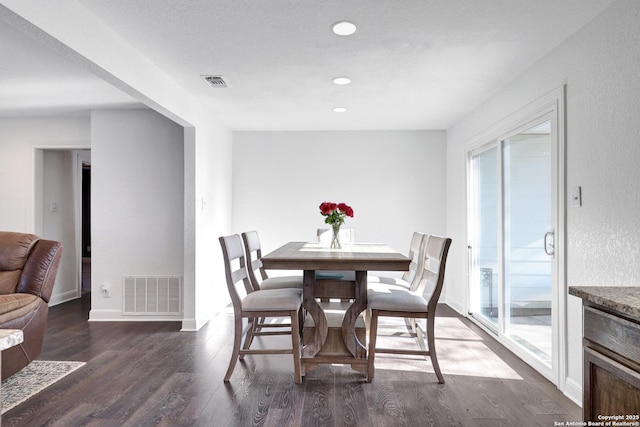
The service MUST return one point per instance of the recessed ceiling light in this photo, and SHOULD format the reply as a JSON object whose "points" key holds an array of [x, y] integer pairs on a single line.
{"points": [[344, 28], [339, 110], [342, 80]]}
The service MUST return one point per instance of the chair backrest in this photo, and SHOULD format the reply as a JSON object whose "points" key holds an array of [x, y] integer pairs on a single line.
{"points": [[253, 252], [28, 264], [235, 268], [14, 252], [437, 249], [326, 234], [417, 249]]}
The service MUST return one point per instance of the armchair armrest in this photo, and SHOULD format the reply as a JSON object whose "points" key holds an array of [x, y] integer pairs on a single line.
{"points": [[40, 270]]}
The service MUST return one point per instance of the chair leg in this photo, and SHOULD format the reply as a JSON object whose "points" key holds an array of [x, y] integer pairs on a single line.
{"points": [[373, 333], [411, 324], [237, 337], [252, 326], [432, 348], [260, 321], [419, 333], [295, 343]]}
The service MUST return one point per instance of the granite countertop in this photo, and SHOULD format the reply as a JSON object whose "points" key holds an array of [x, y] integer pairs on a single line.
{"points": [[10, 337], [624, 299]]}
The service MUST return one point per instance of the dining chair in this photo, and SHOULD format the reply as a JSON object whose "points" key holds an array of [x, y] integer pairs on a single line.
{"points": [[257, 274], [256, 304], [397, 301], [411, 278]]}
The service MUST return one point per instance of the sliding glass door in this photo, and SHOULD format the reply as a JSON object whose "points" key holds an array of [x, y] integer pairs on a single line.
{"points": [[512, 221], [484, 248], [527, 191]]}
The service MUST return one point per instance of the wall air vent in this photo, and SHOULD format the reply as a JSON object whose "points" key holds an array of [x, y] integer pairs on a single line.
{"points": [[152, 295], [215, 81]]}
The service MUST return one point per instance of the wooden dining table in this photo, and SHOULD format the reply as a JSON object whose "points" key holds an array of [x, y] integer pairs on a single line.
{"points": [[325, 342]]}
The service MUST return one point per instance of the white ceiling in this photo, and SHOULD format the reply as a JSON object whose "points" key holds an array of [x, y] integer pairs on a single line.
{"points": [[414, 64], [35, 81]]}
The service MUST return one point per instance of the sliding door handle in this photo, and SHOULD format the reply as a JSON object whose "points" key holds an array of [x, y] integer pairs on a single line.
{"points": [[549, 243]]}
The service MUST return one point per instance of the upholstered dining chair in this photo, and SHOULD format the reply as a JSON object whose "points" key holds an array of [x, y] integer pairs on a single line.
{"points": [[397, 301], [411, 278], [258, 304], [257, 274]]}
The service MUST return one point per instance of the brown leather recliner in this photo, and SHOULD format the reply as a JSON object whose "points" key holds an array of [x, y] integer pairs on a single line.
{"points": [[28, 268]]}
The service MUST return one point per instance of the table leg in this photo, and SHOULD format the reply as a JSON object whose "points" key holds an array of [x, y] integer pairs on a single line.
{"points": [[316, 312], [355, 347]]}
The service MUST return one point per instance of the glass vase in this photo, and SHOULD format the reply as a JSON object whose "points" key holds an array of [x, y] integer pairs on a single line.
{"points": [[335, 238]]}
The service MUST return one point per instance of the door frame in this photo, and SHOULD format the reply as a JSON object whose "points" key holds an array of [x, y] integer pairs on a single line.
{"points": [[38, 207], [553, 102]]}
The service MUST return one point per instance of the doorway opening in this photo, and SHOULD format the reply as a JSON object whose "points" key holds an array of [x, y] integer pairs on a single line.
{"points": [[86, 227], [62, 189]]}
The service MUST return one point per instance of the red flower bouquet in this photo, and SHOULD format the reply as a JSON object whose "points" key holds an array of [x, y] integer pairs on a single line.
{"points": [[335, 214]]}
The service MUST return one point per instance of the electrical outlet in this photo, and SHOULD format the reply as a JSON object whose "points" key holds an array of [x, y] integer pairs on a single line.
{"points": [[106, 292]]}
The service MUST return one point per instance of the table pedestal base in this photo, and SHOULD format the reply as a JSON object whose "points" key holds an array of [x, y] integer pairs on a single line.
{"points": [[319, 346], [334, 350]]}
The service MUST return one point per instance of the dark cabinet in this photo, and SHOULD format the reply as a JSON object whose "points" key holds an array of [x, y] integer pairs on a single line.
{"points": [[611, 348]]}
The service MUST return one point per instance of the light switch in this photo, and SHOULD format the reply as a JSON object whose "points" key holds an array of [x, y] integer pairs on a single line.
{"points": [[53, 207], [576, 197]]}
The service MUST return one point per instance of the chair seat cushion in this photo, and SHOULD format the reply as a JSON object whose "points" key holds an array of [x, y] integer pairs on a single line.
{"points": [[396, 299], [13, 306], [281, 282], [273, 300]]}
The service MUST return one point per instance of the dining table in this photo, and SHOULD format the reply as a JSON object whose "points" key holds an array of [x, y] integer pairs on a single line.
{"points": [[327, 341]]}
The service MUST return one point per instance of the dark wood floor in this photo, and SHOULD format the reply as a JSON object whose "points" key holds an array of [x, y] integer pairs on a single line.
{"points": [[152, 374]]}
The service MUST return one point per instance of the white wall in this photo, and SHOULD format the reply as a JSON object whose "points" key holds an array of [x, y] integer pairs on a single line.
{"points": [[137, 209], [394, 180], [212, 206], [19, 139], [23, 143], [599, 65], [64, 27]]}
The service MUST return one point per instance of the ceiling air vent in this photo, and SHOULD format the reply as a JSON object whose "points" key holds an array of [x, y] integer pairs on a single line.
{"points": [[215, 81]]}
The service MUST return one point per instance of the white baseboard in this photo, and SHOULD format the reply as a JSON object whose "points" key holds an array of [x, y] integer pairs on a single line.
{"points": [[456, 305], [573, 391], [104, 315], [193, 325], [63, 297], [117, 316]]}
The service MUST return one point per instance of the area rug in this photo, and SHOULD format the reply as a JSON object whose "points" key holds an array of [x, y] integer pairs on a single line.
{"points": [[34, 378]]}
